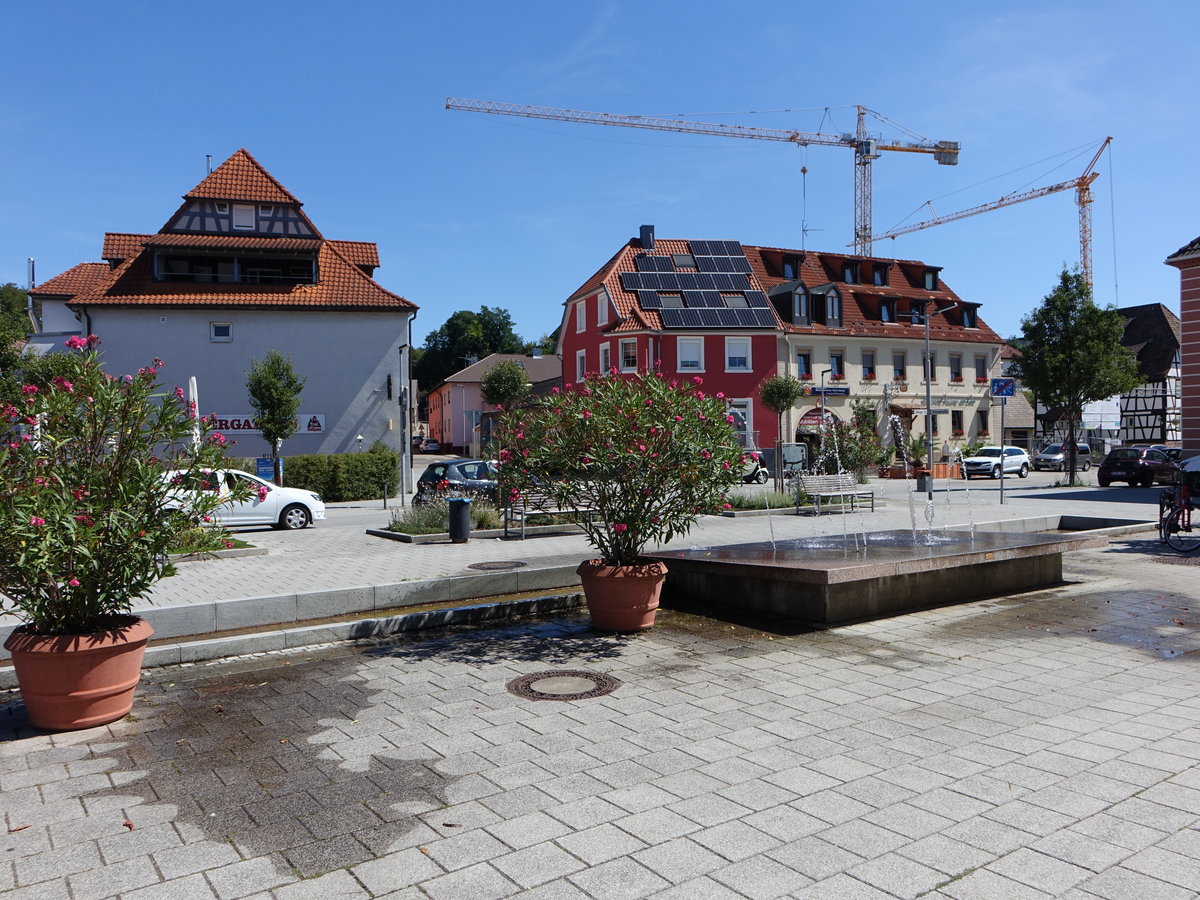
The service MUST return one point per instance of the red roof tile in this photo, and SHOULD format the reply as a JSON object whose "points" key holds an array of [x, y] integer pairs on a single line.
{"points": [[76, 279], [361, 253], [242, 177], [342, 285], [230, 241], [121, 246]]}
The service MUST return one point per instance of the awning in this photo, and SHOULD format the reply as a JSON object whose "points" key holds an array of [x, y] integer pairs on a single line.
{"points": [[811, 420]]}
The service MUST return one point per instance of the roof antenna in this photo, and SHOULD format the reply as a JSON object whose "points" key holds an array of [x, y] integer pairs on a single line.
{"points": [[208, 159], [804, 229]]}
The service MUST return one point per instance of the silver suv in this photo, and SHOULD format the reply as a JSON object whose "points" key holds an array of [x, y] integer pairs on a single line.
{"points": [[1056, 456], [988, 460]]}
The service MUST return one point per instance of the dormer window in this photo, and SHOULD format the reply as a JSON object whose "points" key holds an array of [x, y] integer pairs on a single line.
{"points": [[930, 280], [833, 308], [887, 310], [266, 210], [880, 276], [850, 272], [915, 313], [968, 317], [791, 267], [800, 309]]}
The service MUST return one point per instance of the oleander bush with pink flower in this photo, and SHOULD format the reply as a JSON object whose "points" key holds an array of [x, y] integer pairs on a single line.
{"points": [[83, 532], [637, 458]]}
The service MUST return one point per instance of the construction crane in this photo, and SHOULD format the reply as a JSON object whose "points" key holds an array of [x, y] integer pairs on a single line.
{"points": [[1083, 199], [866, 148]]}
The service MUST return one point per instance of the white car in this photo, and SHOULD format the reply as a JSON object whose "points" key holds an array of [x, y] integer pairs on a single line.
{"points": [[269, 504], [988, 460]]}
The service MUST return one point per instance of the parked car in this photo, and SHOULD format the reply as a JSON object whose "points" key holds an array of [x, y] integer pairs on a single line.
{"points": [[281, 507], [754, 472], [459, 476], [429, 445], [1137, 465], [1056, 458], [988, 461]]}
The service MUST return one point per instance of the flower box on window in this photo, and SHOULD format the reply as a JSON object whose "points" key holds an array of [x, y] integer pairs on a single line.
{"points": [[837, 377], [979, 380], [958, 432], [957, 379], [806, 376], [869, 376], [985, 433]]}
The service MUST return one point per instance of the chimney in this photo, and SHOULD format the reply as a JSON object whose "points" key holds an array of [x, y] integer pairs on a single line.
{"points": [[647, 237]]}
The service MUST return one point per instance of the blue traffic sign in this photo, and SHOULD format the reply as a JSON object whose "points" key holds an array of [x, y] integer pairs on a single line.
{"points": [[1004, 387]]}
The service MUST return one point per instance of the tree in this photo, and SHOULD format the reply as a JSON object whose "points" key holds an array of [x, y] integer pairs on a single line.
{"points": [[275, 390], [13, 313], [465, 334], [504, 384], [779, 393], [547, 343], [1072, 353]]}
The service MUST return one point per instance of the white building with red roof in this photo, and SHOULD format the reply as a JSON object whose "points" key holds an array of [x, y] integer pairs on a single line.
{"points": [[239, 270], [734, 315]]}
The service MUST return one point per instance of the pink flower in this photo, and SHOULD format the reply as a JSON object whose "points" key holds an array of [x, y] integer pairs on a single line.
{"points": [[262, 493], [587, 392], [587, 414], [229, 545], [725, 465], [206, 518], [554, 390], [706, 454], [74, 582], [179, 393], [730, 419], [728, 505], [618, 528], [720, 395], [29, 389], [37, 521], [679, 418], [696, 379], [76, 343], [504, 455]]}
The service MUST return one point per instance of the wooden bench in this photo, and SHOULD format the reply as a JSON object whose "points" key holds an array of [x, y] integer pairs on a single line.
{"points": [[840, 487], [533, 503]]}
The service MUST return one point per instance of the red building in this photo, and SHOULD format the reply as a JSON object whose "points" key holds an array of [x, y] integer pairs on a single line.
{"points": [[1187, 260], [735, 315]]}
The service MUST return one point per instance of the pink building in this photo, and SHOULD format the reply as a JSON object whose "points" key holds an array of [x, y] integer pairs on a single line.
{"points": [[1187, 260]]}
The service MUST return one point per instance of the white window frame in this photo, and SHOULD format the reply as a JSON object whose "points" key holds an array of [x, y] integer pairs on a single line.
{"points": [[839, 370], [902, 355], [581, 317], [869, 373], [240, 212], [981, 369], [730, 342], [601, 311], [680, 343], [745, 409], [605, 358], [580, 365], [806, 352], [215, 334], [621, 353]]}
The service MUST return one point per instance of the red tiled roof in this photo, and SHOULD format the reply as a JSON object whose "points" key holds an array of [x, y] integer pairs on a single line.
{"points": [[342, 285], [242, 177], [361, 253], [121, 246], [231, 241], [76, 279]]}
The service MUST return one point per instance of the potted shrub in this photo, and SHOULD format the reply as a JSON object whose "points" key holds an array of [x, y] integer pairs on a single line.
{"points": [[636, 459], [83, 532]]}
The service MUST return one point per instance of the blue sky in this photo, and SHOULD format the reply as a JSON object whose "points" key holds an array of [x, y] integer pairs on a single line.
{"points": [[111, 108]]}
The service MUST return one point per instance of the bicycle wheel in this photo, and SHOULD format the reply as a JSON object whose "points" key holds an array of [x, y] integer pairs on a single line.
{"points": [[1185, 540]]}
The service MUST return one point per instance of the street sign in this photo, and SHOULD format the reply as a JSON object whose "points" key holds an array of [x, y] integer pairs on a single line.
{"points": [[831, 391], [1004, 387]]}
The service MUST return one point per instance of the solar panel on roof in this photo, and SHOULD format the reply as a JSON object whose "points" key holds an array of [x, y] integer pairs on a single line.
{"points": [[731, 248], [630, 281], [740, 264], [700, 248], [693, 298], [642, 262], [756, 299], [648, 299], [708, 263], [664, 263]]}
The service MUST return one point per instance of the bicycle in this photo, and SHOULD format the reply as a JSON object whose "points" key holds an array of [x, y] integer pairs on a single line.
{"points": [[1175, 519]]}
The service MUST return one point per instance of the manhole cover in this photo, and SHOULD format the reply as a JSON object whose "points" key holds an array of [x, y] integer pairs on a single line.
{"points": [[562, 685], [498, 565]]}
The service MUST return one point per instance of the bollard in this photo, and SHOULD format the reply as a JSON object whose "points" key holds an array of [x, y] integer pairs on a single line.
{"points": [[460, 519]]}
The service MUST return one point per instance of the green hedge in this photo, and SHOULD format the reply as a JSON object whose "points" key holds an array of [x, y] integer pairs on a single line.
{"points": [[346, 476]]}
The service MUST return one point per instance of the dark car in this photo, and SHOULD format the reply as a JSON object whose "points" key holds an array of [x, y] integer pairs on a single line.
{"points": [[1137, 465], [457, 478]]}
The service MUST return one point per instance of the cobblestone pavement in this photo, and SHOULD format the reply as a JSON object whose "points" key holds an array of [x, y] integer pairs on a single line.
{"points": [[1039, 745]]}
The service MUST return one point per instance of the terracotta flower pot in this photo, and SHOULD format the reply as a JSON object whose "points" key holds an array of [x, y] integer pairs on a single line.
{"points": [[621, 598], [79, 681]]}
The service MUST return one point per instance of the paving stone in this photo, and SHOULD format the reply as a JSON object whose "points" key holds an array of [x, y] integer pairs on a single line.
{"points": [[190, 887], [537, 864], [619, 879], [250, 876], [1119, 883], [396, 871], [601, 843]]}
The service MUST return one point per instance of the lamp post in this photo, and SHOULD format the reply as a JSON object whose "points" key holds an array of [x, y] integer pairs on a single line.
{"points": [[929, 391], [824, 372]]}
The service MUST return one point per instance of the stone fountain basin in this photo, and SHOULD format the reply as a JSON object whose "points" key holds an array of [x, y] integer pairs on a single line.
{"points": [[834, 580]]}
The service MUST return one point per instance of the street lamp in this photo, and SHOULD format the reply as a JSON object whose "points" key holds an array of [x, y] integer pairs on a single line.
{"points": [[929, 391], [360, 440], [824, 372]]}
